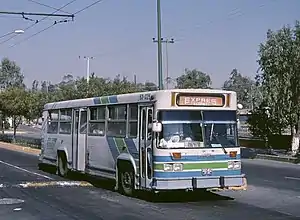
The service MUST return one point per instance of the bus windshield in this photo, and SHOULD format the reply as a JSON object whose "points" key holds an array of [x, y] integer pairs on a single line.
{"points": [[197, 129]]}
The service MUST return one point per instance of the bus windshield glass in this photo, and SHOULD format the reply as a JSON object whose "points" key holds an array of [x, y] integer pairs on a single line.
{"points": [[197, 129]]}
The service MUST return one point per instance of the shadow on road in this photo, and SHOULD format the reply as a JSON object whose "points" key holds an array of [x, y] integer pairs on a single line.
{"points": [[179, 196], [176, 196]]}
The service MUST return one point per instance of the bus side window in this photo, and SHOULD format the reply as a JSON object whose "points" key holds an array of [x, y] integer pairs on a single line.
{"points": [[52, 122], [133, 120], [97, 121], [117, 121]]}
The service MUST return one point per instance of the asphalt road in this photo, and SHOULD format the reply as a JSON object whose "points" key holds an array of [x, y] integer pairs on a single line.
{"points": [[273, 174], [101, 202]]}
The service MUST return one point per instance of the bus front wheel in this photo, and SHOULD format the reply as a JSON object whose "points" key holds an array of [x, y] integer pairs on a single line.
{"points": [[126, 180], [62, 165]]}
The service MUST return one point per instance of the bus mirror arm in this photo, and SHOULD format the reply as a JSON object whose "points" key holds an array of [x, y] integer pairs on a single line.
{"points": [[156, 127]]}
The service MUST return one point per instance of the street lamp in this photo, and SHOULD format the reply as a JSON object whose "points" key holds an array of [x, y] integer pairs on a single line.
{"points": [[18, 31]]}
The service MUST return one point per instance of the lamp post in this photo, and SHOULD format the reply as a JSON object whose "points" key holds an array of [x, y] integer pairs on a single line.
{"points": [[87, 58], [159, 47], [267, 144], [166, 41]]}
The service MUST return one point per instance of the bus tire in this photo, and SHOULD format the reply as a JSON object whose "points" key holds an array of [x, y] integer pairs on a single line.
{"points": [[62, 164], [126, 179]]}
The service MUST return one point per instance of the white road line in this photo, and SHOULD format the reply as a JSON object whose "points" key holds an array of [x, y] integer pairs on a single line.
{"points": [[24, 170], [292, 178], [110, 199]]}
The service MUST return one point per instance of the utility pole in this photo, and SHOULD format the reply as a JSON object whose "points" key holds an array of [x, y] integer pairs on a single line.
{"points": [[159, 47], [166, 41], [87, 58]]}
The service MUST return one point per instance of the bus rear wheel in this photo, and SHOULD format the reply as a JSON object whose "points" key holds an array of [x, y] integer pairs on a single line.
{"points": [[62, 165], [126, 181]]}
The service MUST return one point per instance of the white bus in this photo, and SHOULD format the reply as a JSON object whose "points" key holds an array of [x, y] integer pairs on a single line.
{"points": [[158, 140]]}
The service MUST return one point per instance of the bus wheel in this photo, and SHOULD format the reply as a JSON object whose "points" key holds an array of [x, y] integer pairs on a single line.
{"points": [[126, 181], [62, 165]]}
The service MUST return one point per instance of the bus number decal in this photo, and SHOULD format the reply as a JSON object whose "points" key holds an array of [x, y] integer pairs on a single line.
{"points": [[145, 97]]}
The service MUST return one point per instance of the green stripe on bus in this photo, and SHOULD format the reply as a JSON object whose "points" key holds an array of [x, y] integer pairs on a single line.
{"points": [[121, 145], [197, 166], [104, 100]]}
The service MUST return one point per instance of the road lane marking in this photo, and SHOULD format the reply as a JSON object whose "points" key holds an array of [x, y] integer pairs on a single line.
{"points": [[10, 201], [292, 178], [24, 170], [47, 184], [110, 199], [54, 183]]}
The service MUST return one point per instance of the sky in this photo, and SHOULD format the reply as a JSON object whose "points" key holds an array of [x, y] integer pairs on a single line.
{"points": [[213, 36]]}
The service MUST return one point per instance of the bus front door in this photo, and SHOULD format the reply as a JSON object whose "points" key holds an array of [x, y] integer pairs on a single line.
{"points": [[145, 146], [79, 139]]}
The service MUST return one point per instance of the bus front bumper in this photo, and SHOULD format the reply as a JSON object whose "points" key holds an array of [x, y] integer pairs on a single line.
{"points": [[237, 182]]}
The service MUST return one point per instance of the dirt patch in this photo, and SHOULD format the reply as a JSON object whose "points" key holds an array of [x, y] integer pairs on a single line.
{"points": [[19, 148]]}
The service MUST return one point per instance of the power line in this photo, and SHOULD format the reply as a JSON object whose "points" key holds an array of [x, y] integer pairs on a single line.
{"points": [[5, 16], [40, 21], [56, 22], [41, 31], [47, 6], [234, 13], [5, 35], [90, 5]]}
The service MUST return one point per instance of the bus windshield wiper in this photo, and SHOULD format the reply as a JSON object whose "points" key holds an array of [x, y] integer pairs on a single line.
{"points": [[224, 149]]}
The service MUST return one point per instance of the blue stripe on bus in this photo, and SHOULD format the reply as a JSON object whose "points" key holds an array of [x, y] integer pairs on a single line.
{"points": [[113, 99], [113, 147], [196, 158], [97, 100], [131, 146], [160, 174]]}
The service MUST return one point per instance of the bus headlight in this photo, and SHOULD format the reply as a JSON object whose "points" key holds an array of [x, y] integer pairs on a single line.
{"points": [[177, 167], [234, 165], [168, 167]]}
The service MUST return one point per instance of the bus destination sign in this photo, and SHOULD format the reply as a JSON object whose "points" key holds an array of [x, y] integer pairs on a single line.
{"points": [[200, 100]]}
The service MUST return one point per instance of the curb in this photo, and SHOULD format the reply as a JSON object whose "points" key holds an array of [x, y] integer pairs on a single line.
{"points": [[277, 158], [244, 187], [19, 148]]}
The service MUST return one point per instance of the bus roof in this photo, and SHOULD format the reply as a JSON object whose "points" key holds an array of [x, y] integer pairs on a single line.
{"points": [[138, 97]]}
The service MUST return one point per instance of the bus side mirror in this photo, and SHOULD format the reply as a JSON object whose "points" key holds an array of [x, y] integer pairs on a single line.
{"points": [[156, 127]]}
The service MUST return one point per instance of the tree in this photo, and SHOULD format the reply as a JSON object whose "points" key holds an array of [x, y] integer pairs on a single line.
{"points": [[262, 125], [44, 86], [35, 85], [149, 86], [15, 103], [36, 102], [243, 86], [279, 61], [193, 79], [10, 74]]}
